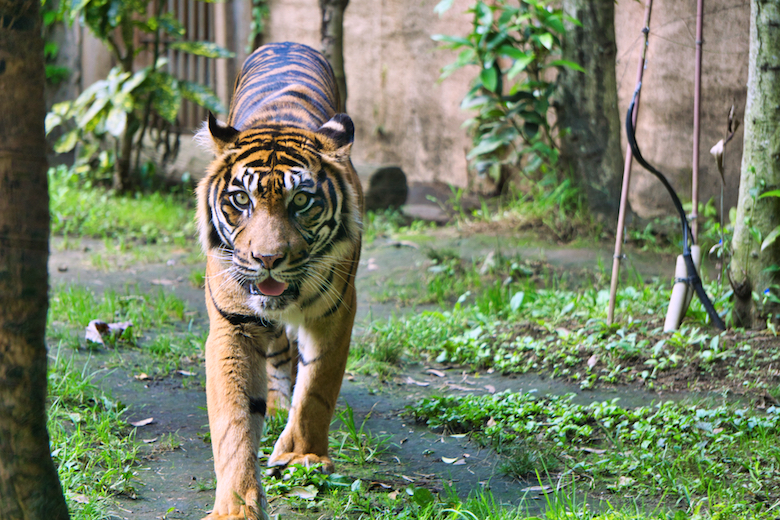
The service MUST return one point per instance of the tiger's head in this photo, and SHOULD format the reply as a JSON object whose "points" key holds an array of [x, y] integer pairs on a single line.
{"points": [[278, 207]]}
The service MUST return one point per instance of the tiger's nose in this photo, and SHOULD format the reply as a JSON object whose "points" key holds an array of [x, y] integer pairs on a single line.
{"points": [[269, 261]]}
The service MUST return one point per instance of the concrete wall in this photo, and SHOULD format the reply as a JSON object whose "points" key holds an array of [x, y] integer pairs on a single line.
{"points": [[405, 117]]}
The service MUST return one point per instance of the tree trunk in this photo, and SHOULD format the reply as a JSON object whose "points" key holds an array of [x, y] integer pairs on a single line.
{"points": [[749, 271], [332, 38], [29, 487], [591, 149]]}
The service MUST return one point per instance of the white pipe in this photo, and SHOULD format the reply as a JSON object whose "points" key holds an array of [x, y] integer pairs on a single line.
{"points": [[681, 291]]}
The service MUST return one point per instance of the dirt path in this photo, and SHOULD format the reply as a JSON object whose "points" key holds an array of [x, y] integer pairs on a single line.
{"points": [[176, 482]]}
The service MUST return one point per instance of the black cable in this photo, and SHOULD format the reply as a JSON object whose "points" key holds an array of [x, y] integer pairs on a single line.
{"points": [[693, 276]]}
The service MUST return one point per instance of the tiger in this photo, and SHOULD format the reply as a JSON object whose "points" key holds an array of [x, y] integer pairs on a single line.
{"points": [[279, 216]]}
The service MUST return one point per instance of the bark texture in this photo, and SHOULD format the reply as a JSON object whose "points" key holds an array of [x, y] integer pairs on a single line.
{"points": [[29, 486], [760, 170], [588, 108], [332, 38]]}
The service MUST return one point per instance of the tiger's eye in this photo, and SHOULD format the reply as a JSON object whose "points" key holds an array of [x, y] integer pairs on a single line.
{"points": [[241, 198], [300, 199]]}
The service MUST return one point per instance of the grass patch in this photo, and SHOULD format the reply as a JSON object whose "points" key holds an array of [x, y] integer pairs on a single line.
{"points": [[680, 454], [92, 446], [83, 211]]}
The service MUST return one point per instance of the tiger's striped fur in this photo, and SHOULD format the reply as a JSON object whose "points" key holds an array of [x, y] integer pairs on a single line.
{"points": [[279, 215]]}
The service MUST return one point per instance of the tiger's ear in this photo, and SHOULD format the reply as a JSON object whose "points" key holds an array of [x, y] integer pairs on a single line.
{"points": [[216, 135], [340, 133]]}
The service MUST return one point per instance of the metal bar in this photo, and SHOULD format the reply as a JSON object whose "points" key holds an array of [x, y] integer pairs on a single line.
{"points": [[627, 179]]}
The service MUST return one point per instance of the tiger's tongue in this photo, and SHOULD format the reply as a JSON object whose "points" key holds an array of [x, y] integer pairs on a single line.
{"points": [[271, 287]]}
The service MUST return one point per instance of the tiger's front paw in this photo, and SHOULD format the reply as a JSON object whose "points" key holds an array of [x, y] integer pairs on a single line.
{"points": [[251, 506], [280, 460]]}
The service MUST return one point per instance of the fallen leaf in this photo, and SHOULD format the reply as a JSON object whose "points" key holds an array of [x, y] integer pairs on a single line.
{"points": [[459, 387], [625, 481], [187, 373], [459, 462], [491, 389], [117, 329], [143, 376], [142, 422], [491, 422], [592, 360], [149, 441], [62, 268], [410, 381], [434, 372], [372, 265], [95, 331], [593, 450], [307, 493], [540, 489], [393, 495], [162, 281], [458, 435], [81, 499], [448, 460]]}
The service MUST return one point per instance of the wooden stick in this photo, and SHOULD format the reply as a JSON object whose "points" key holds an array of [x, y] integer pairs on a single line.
{"points": [[627, 179]]}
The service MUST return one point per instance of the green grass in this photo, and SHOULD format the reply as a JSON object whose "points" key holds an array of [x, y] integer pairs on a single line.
{"points": [[678, 454], [79, 211], [92, 446]]}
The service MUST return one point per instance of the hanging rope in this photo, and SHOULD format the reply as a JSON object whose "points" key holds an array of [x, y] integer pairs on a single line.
{"points": [[693, 276]]}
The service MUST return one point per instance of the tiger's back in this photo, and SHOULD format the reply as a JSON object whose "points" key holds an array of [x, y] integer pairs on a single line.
{"points": [[285, 83], [279, 214]]}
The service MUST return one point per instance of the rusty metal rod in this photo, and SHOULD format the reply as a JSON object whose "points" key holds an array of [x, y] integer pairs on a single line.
{"points": [[627, 178]]}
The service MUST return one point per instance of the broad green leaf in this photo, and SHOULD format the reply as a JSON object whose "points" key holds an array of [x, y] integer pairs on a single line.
{"points": [[513, 52], [531, 129], [555, 23], [207, 49], [137, 78], [484, 14], [52, 121], [454, 41], [485, 146], [489, 78], [566, 63], [201, 95], [546, 40], [167, 96], [98, 105], [171, 25], [67, 141], [772, 193], [90, 92], [520, 65], [116, 121], [770, 238]]}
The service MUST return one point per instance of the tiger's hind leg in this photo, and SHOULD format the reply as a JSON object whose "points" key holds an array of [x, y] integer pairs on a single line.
{"points": [[282, 367]]}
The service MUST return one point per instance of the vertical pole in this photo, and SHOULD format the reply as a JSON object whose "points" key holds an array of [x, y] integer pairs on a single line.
{"points": [[696, 127], [627, 179]]}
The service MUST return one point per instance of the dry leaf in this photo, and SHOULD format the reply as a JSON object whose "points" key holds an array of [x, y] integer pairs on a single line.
{"points": [[593, 450], [448, 460], [95, 331], [162, 281], [459, 462], [81, 499], [434, 372], [187, 373], [143, 376], [491, 389], [393, 495], [149, 441], [458, 435], [592, 360], [410, 381], [142, 422], [491, 422], [307, 493], [540, 489]]}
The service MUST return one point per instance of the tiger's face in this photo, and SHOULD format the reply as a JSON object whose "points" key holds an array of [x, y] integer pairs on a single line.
{"points": [[276, 209]]}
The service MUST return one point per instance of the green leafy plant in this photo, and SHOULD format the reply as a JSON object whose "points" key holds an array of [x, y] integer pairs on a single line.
{"points": [[51, 16], [514, 44], [112, 117]]}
